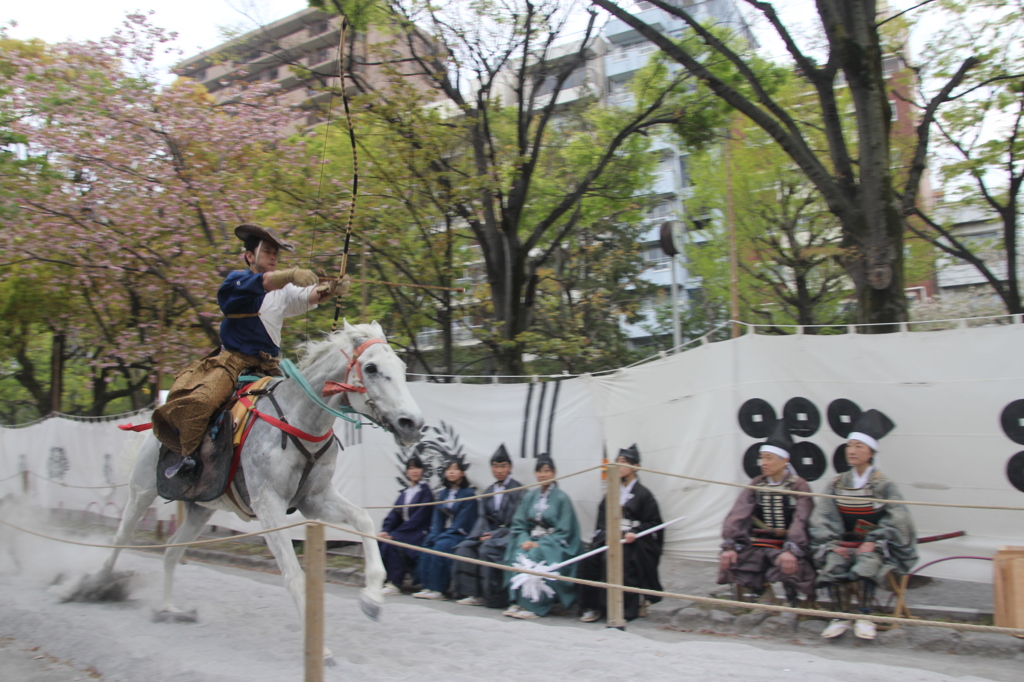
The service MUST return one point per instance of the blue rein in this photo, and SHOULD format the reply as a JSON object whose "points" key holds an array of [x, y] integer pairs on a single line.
{"points": [[292, 372]]}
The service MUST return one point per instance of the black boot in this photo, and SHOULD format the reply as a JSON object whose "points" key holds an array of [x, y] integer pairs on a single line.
{"points": [[865, 594], [791, 594]]}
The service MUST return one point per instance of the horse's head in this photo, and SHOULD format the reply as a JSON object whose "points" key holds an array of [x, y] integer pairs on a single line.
{"points": [[358, 363]]}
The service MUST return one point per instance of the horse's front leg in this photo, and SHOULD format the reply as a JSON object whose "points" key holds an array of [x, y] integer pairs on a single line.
{"points": [[271, 512], [328, 505]]}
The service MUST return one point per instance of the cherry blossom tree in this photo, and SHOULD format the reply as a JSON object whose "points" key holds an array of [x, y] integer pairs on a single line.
{"points": [[126, 216]]}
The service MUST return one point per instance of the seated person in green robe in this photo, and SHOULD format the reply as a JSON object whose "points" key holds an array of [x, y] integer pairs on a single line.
{"points": [[544, 529]]}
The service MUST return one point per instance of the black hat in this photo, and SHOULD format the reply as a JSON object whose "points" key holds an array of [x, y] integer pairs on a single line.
{"points": [[457, 460], [500, 456], [414, 461], [542, 459], [870, 427], [778, 443], [245, 231], [632, 454]]}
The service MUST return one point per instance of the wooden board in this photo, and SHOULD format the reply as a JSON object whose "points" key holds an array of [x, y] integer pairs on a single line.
{"points": [[1009, 587]]}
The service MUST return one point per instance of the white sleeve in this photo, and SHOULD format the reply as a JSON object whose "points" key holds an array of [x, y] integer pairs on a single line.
{"points": [[296, 299]]}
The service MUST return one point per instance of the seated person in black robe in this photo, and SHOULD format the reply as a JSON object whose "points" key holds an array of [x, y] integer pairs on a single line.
{"points": [[640, 555], [406, 524], [480, 585]]}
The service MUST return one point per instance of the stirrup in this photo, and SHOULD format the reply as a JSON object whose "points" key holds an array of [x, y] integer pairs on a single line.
{"points": [[184, 466]]}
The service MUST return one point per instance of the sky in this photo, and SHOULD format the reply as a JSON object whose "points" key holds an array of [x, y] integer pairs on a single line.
{"points": [[197, 22]]}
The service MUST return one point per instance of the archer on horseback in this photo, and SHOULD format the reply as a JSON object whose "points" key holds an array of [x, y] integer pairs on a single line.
{"points": [[255, 303]]}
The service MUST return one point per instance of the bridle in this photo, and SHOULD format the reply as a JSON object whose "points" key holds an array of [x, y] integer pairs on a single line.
{"points": [[344, 387]]}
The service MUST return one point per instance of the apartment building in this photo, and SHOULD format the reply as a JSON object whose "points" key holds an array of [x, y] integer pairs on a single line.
{"points": [[627, 53], [300, 54]]}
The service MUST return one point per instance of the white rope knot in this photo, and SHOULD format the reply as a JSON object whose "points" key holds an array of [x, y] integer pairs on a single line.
{"points": [[533, 587]]}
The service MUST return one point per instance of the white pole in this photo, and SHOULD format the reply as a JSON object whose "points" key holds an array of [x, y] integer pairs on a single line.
{"points": [[677, 337]]}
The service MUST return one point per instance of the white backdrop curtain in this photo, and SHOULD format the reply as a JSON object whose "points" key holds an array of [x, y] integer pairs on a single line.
{"points": [[945, 390]]}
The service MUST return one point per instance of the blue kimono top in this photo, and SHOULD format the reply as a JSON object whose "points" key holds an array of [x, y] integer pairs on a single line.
{"points": [[242, 293], [454, 519], [411, 519]]}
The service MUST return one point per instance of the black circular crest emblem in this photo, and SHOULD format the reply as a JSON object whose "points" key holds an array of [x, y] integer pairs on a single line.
{"points": [[839, 459], [802, 417], [751, 460], [808, 460], [757, 418], [1012, 420], [1015, 471], [841, 415]]}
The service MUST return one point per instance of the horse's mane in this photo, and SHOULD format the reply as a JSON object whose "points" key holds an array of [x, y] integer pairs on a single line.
{"points": [[311, 352]]}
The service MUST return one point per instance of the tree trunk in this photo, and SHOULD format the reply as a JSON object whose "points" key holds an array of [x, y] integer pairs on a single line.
{"points": [[874, 260], [56, 372]]}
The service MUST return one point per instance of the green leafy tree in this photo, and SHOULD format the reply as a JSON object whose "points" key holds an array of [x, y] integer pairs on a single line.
{"points": [[492, 126], [788, 242], [981, 152], [854, 171]]}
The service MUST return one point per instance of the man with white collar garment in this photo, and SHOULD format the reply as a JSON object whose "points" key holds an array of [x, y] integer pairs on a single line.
{"points": [[479, 585], [255, 303], [640, 555]]}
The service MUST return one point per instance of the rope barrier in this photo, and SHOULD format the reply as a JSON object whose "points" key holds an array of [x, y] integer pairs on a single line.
{"points": [[888, 620], [80, 487], [600, 466], [194, 543], [833, 497], [80, 418], [483, 495], [690, 597], [65, 485]]}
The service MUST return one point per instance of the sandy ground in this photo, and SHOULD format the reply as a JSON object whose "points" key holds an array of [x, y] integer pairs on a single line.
{"points": [[248, 630]]}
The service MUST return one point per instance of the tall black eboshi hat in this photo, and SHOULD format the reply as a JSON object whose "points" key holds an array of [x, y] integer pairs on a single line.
{"points": [[632, 454], [500, 456], [870, 427], [779, 442]]}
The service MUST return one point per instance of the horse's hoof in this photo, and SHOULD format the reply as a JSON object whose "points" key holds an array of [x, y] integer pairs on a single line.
{"points": [[370, 608], [175, 616], [101, 587], [329, 662]]}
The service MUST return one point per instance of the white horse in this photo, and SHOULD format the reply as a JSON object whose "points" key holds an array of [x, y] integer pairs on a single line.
{"points": [[272, 475]]}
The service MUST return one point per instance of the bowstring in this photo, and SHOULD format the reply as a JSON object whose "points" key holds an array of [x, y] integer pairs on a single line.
{"points": [[320, 183], [319, 191]]}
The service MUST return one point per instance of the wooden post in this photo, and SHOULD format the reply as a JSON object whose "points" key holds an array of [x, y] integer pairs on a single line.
{"points": [[1008, 587], [734, 258], [613, 533], [316, 561], [56, 372], [24, 480]]}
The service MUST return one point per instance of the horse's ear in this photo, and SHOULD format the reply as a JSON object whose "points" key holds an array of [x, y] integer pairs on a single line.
{"points": [[356, 335], [377, 329]]}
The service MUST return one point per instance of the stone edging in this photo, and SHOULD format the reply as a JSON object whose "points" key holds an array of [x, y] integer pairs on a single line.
{"points": [[787, 626]]}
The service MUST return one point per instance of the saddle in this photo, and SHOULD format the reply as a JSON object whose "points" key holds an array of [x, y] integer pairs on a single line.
{"points": [[215, 460], [218, 471]]}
